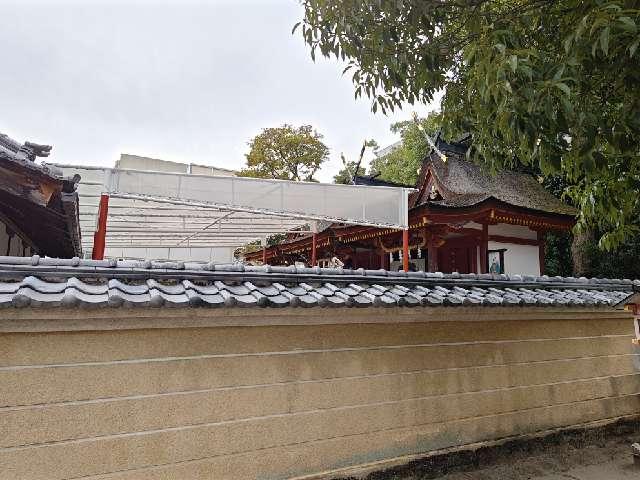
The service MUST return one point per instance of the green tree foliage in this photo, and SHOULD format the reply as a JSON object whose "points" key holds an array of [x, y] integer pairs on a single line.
{"points": [[402, 164], [547, 83], [352, 169], [345, 175], [621, 262], [286, 153]]}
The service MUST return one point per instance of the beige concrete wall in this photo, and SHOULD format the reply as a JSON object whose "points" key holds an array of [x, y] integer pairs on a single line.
{"points": [[115, 394]]}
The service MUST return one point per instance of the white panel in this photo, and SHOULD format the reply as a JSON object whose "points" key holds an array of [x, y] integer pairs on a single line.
{"points": [[194, 254], [203, 217], [360, 205], [519, 259]]}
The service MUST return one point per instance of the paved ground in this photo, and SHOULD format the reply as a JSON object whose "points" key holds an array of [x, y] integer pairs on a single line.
{"points": [[595, 453], [608, 459]]}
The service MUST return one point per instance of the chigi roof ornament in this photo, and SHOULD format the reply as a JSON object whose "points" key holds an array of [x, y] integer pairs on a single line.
{"points": [[442, 156]]}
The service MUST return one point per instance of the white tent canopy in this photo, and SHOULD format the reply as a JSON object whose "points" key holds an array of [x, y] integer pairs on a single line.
{"points": [[198, 217]]}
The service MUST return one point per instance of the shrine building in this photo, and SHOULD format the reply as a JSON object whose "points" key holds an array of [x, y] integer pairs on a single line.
{"points": [[461, 219], [38, 205]]}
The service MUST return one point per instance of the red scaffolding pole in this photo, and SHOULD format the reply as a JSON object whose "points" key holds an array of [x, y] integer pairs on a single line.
{"points": [[99, 237], [405, 250]]}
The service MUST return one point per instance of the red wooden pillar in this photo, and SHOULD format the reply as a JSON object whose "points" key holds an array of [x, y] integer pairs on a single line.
{"points": [[384, 259], [100, 235], [314, 245], [541, 250], [405, 250], [432, 256], [484, 249]]}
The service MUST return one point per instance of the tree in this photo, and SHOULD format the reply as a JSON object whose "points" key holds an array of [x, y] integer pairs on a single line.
{"points": [[402, 164], [286, 153], [345, 175], [352, 169], [547, 83]]}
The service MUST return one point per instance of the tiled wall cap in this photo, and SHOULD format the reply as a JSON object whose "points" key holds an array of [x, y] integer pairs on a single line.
{"points": [[332, 271], [15, 260], [399, 273], [434, 275], [281, 269], [377, 273], [415, 274], [229, 267]]}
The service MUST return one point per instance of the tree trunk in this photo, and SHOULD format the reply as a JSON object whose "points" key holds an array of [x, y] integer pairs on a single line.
{"points": [[582, 253]]}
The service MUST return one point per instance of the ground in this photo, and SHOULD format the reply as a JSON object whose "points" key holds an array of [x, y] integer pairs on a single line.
{"points": [[609, 460], [591, 453]]}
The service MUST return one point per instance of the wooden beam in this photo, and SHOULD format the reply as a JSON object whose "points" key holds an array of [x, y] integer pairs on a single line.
{"points": [[314, 246], [432, 256], [515, 240], [384, 259], [484, 249]]}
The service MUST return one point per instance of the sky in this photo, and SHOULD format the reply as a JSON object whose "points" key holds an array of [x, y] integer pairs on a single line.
{"points": [[188, 81]]}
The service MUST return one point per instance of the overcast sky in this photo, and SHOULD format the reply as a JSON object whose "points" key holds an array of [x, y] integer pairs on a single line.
{"points": [[189, 81]]}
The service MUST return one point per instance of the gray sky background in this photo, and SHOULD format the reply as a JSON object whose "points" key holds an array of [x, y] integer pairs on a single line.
{"points": [[189, 81]]}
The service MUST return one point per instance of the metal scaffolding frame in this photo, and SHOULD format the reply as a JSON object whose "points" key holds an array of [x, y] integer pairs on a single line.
{"points": [[180, 216]]}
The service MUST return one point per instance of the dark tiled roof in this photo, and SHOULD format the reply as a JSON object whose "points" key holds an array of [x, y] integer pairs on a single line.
{"points": [[374, 181], [463, 184], [25, 155], [35, 281], [61, 210]]}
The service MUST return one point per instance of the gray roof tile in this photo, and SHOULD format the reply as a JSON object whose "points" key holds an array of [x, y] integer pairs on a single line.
{"points": [[35, 281]]}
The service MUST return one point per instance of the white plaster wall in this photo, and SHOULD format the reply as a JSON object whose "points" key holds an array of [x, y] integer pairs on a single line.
{"points": [[519, 259], [475, 225], [512, 231], [194, 254]]}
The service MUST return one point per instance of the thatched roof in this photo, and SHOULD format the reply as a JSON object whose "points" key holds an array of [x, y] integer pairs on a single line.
{"points": [[461, 183]]}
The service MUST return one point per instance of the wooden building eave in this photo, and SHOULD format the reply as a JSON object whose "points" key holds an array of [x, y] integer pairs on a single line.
{"points": [[432, 216]]}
